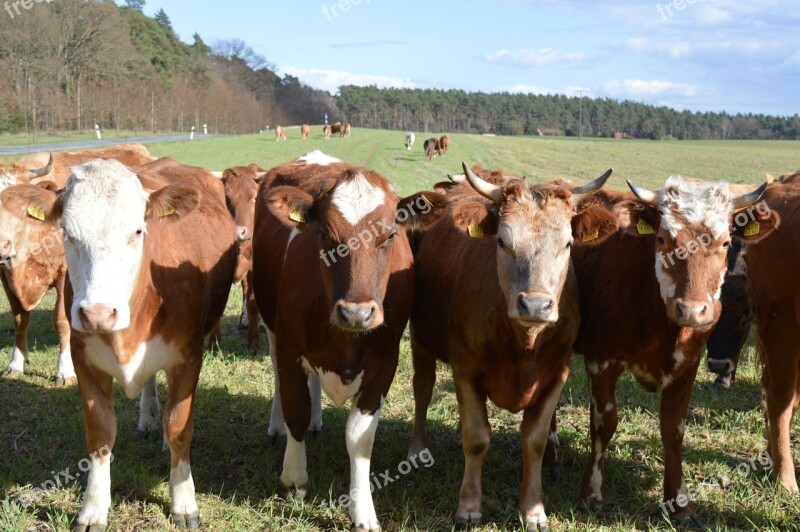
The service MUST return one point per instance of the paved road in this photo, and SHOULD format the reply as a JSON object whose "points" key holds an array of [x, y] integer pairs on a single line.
{"points": [[86, 144]]}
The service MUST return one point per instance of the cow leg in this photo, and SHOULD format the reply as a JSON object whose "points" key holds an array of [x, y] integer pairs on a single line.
{"points": [[672, 420], [294, 392], [602, 425], [65, 371], [178, 428], [781, 383], [424, 380], [536, 424], [315, 391], [360, 436], [100, 423], [551, 451], [251, 313], [215, 337], [149, 407], [277, 424], [475, 436], [19, 355]]}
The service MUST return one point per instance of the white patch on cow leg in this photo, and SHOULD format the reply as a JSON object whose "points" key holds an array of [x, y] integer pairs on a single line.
{"points": [[64, 369], [97, 497], [181, 490], [360, 436], [277, 424], [596, 482], [17, 362], [666, 283], [315, 391], [357, 198], [295, 472], [149, 407]]}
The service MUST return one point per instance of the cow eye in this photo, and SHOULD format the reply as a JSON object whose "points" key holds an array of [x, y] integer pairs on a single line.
{"points": [[661, 241], [569, 244], [501, 244], [726, 244], [324, 236]]}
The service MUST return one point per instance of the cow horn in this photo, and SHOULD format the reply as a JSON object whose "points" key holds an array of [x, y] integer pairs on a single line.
{"points": [[456, 178], [43, 171], [648, 197], [584, 191], [745, 200], [487, 190]]}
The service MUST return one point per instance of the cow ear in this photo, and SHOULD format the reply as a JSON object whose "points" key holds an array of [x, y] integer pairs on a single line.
{"points": [[419, 211], [752, 225], [172, 202], [637, 218], [31, 202], [292, 206], [593, 225], [476, 219]]}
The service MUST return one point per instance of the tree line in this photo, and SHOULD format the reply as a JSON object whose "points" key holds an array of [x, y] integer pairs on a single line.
{"points": [[551, 114]]}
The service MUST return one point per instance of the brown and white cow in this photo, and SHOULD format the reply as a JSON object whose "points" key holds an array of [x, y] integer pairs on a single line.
{"points": [[432, 148], [23, 172], [347, 128], [280, 133], [32, 256], [334, 281], [328, 131], [444, 144], [649, 299], [305, 131], [149, 275], [496, 298]]}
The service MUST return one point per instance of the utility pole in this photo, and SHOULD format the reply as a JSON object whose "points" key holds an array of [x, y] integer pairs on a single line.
{"points": [[580, 111]]}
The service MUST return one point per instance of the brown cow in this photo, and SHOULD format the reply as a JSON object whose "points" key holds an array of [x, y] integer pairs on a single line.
{"points": [[241, 187], [347, 128], [772, 263], [305, 131], [32, 257], [327, 131], [653, 321], [496, 298], [333, 278], [432, 148], [147, 281], [280, 133], [444, 144]]}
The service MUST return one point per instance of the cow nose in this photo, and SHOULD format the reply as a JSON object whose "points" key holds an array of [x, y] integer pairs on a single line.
{"points": [[243, 233], [6, 249], [693, 313], [98, 317], [536, 308], [357, 316]]}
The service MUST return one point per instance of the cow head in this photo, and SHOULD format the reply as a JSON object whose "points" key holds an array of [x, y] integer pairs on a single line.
{"points": [[13, 174], [359, 222], [241, 187], [104, 212], [535, 227], [690, 223]]}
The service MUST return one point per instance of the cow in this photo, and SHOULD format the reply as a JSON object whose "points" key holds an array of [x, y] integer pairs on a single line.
{"points": [[32, 257], [305, 131], [337, 129], [496, 298], [410, 139], [241, 187], [432, 148], [19, 172], [280, 133], [347, 128], [147, 280], [649, 297], [333, 279], [444, 144], [327, 131], [771, 261]]}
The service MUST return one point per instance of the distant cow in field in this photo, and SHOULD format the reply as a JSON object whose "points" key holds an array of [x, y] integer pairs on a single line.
{"points": [[347, 128], [432, 148], [410, 139], [649, 299], [337, 129], [333, 278], [305, 131], [327, 131], [147, 280], [496, 298], [280, 133], [444, 144]]}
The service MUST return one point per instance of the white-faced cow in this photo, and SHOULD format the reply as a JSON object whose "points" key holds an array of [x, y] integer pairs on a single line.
{"points": [[496, 298], [410, 140], [149, 275], [649, 299], [334, 281]]}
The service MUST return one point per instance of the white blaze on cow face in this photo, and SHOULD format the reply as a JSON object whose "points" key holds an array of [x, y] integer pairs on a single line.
{"points": [[103, 220], [357, 198]]}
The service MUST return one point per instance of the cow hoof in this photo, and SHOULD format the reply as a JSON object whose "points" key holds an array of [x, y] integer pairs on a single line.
{"points": [[65, 381], [186, 521], [275, 439], [464, 522], [89, 528], [11, 373], [313, 433], [686, 522], [294, 493], [531, 526], [363, 528]]}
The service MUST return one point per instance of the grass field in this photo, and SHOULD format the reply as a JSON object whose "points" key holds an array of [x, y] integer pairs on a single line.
{"points": [[48, 138], [236, 468]]}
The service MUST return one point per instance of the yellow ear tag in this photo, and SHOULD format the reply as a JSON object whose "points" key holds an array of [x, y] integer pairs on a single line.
{"points": [[645, 228], [297, 216], [475, 231], [591, 236], [168, 212], [36, 212], [752, 229]]}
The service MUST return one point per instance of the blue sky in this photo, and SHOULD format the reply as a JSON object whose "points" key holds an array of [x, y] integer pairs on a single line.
{"points": [[738, 56]]}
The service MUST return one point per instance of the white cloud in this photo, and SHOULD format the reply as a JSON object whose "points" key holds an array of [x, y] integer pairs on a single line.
{"points": [[543, 57], [331, 80], [654, 88]]}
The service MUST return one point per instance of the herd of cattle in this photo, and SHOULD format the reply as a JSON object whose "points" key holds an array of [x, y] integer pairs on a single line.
{"points": [[500, 278]]}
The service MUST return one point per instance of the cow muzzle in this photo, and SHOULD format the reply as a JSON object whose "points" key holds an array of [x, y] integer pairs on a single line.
{"points": [[243, 234], [97, 318], [357, 317], [532, 307], [695, 314]]}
